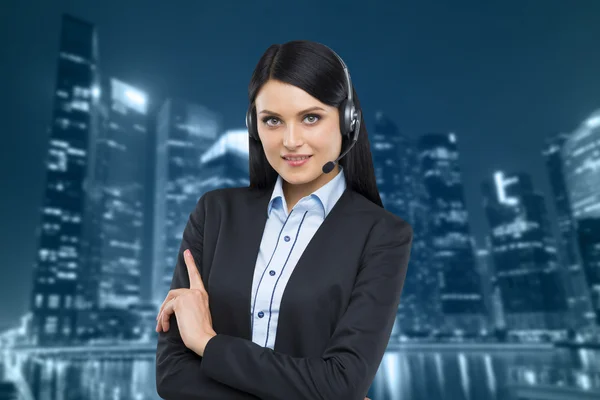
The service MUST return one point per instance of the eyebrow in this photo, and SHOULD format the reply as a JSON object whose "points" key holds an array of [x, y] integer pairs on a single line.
{"points": [[300, 113]]}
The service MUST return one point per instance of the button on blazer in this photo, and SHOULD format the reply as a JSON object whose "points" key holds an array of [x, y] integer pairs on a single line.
{"points": [[336, 313]]}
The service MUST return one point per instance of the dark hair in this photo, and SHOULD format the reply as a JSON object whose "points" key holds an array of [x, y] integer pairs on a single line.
{"points": [[313, 68]]}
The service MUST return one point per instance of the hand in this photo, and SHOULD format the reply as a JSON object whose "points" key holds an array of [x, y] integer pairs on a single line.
{"points": [[191, 309]]}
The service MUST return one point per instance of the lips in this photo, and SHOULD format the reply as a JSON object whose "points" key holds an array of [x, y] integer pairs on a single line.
{"points": [[296, 158], [296, 162]]}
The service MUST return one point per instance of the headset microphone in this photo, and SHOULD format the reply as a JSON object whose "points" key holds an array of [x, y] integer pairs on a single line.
{"points": [[350, 117], [327, 168]]}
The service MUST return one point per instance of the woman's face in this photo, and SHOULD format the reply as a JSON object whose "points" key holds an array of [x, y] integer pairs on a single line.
{"points": [[292, 122]]}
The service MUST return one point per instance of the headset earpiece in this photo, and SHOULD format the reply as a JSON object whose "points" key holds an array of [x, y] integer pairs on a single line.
{"points": [[348, 111]]}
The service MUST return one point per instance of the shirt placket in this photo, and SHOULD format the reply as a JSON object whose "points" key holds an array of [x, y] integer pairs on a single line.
{"points": [[268, 285]]}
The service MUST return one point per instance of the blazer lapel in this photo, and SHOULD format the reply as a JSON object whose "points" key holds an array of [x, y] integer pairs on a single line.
{"points": [[249, 235], [242, 259], [337, 224]]}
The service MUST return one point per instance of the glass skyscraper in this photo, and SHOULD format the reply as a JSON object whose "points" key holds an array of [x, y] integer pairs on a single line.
{"points": [[451, 242], [578, 295], [402, 192], [581, 156], [184, 131], [524, 256], [58, 262]]}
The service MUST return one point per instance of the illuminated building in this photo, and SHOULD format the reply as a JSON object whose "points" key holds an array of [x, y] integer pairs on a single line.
{"points": [[578, 294], [450, 237], [524, 255], [184, 131], [402, 192], [581, 156], [59, 257]]}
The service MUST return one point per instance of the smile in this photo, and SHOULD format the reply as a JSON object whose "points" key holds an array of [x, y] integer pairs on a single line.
{"points": [[297, 161]]}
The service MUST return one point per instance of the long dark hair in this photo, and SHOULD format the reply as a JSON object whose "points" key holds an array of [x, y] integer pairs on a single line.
{"points": [[313, 68]]}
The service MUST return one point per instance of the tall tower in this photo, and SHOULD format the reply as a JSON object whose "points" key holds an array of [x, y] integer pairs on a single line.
{"points": [[451, 242], [58, 263], [581, 156], [402, 192], [184, 132], [121, 183], [578, 294], [524, 255]]}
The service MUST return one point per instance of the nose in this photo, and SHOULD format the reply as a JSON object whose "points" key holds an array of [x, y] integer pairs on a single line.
{"points": [[292, 137]]}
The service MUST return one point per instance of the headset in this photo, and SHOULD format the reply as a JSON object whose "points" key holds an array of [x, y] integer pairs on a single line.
{"points": [[350, 117]]}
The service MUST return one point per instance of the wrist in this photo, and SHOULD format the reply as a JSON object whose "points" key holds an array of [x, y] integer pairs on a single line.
{"points": [[204, 342]]}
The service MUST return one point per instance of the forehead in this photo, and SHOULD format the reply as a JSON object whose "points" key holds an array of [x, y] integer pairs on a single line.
{"points": [[284, 98]]}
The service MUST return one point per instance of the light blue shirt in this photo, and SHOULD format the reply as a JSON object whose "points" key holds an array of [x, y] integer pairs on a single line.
{"points": [[284, 239]]}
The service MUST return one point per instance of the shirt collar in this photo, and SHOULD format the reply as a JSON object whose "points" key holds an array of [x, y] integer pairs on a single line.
{"points": [[326, 195]]}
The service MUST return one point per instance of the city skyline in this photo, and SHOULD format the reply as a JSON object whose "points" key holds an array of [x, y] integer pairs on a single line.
{"points": [[227, 112], [501, 298]]}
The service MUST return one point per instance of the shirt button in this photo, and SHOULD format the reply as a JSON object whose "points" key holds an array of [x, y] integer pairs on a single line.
{"points": [[271, 273], [261, 314], [287, 238]]}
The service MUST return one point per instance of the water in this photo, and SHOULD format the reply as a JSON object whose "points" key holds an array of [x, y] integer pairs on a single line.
{"points": [[474, 375], [404, 374]]}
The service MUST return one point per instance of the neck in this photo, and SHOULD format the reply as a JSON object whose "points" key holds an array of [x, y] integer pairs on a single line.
{"points": [[293, 193]]}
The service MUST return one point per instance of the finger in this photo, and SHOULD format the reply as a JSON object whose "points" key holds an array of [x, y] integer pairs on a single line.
{"points": [[195, 279], [169, 297], [158, 325], [172, 294], [166, 315], [159, 321]]}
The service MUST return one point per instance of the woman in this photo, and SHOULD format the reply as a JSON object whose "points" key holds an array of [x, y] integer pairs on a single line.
{"points": [[291, 286]]}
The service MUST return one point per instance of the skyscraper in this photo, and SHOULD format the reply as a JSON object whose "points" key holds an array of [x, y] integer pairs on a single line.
{"points": [[393, 153], [578, 295], [524, 255], [184, 132], [123, 196], [495, 308], [111, 284], [486, 272], [58, 263], [451, 242], [581, 156], [402, 193]]}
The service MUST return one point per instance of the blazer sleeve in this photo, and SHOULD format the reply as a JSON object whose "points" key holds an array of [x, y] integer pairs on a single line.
{"points": [[354, 352], [179, 374]]}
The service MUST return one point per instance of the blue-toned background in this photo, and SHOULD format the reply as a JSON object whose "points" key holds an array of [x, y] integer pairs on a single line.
{"points": [[484, 123]]}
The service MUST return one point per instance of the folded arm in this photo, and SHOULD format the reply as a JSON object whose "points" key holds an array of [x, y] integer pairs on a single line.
{"points": [[348, 366], [179, 374]]}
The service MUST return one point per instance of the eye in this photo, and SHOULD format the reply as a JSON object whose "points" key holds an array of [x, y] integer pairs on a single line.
{"points": [[266, 119], [315, 117], [310, 118]]}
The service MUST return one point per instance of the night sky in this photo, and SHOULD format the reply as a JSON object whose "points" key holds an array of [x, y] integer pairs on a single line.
{"points": [[501, 76]]}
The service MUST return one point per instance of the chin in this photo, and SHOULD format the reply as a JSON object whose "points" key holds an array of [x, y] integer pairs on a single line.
{"points": [[298, 177]]}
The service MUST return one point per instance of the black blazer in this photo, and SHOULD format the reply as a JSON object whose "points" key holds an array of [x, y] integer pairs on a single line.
{"points": [[336, 313]]}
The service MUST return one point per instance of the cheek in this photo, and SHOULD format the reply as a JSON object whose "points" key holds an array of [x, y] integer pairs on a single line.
{"points": [[326, 142], [271, 149]]}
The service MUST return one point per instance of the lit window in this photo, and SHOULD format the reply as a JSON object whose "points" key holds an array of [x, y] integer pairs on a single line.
{"points": [[80, 105], [51, 325], [53, 301], [39, 299]]}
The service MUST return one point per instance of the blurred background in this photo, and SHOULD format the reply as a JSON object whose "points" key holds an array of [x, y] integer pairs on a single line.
{"points": [[484, 123]]}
